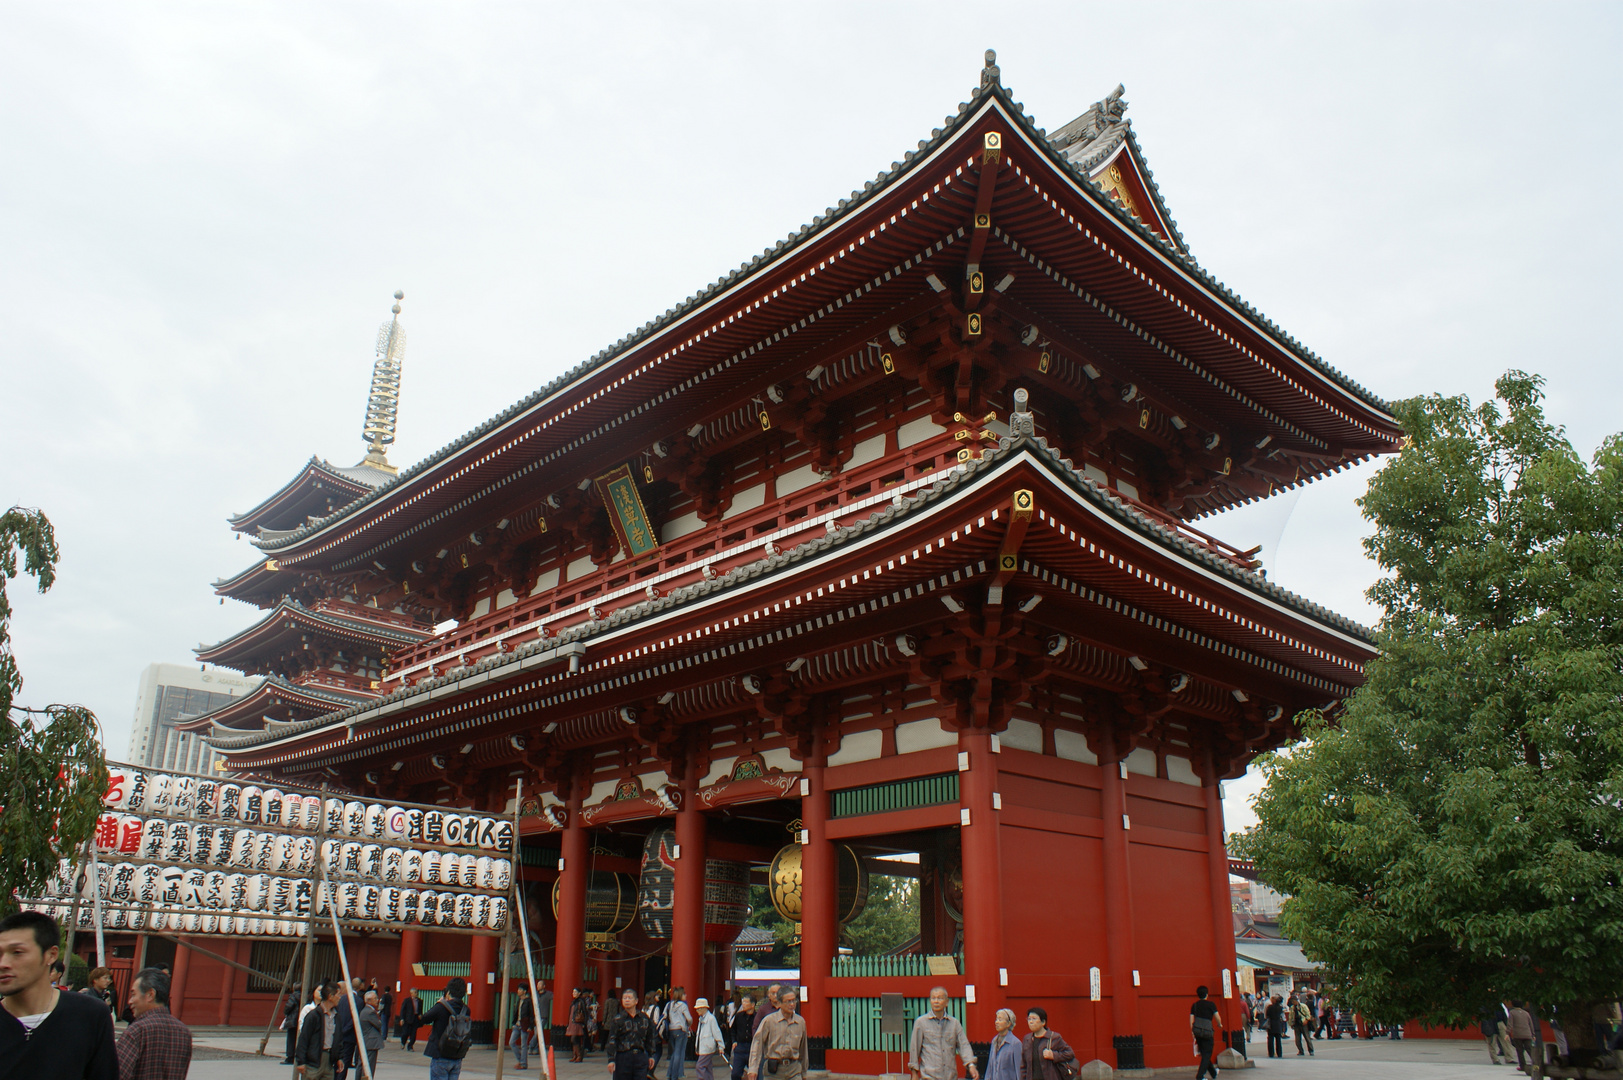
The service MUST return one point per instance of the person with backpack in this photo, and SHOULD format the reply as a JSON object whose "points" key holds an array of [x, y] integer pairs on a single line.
{"points": [[1043, 1054], [1204, 1022], [452, 1033]]}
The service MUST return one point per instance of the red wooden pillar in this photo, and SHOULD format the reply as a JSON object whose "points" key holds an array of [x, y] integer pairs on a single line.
{"points": [[1122, 955], [569, 952], [1217, 859], [687, 918], [411, 952], [177, 985], [481, 970], [819, 898], [983, 879]]}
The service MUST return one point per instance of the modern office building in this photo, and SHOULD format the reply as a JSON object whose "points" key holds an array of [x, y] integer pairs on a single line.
{"points": [[172, 691]]}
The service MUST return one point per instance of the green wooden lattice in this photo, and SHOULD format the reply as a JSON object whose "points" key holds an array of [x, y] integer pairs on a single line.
{"points": [[856, 1022], [897, 795]]}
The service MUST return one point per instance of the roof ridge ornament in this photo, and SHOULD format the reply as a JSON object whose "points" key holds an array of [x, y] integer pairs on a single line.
{"points": [[991, 74], [383, 401]]}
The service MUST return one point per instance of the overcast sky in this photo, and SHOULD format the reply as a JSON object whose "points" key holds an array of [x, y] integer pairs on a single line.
{"points": [[205, 208]]}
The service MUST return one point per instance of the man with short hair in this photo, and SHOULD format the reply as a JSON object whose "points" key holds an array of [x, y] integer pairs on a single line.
{"points": [[937, 1038], [741, 1030], [445, 1061], [772, 993], [632, 1040], [1204, 1021], [372, 1031], [317, 1033], [780, 1049], [46, 1034], [155, 1046], [100, 987], [523, 1027]]}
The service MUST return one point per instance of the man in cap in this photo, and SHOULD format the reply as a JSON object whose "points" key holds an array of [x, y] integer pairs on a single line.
{"points": [[707, 1040]]}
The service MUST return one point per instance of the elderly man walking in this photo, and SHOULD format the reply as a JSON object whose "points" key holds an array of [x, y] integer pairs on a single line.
{"points": [[780, 1049], [937, 1037], [373, 1034]]}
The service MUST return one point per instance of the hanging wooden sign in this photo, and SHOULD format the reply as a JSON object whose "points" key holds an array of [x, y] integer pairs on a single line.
{"points": [[631, 525]]}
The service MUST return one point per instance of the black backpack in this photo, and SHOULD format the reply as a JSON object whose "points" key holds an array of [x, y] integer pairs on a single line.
{"points": [[458, 1035]]}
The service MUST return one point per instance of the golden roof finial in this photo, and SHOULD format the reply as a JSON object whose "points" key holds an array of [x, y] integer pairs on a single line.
{"points": [[383, 402]]}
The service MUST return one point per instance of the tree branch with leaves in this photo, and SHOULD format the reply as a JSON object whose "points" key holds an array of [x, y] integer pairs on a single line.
{"points": [[53, 773], [1454, 838]]}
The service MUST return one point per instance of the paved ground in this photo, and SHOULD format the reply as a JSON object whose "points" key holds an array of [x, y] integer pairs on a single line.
{"points": [[230, 1057]]}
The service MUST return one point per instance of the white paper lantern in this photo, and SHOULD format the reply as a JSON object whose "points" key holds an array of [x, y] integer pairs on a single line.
{"points": [[292, 812], [376, 820], [118, 787], [334, 811], [392, 858], [470, 871], [481, 910], [236, 891], [206, 800], [481, 832], [149, 884], [349, 900], [433, 827], [371, 861], [214, 890], [265, 845], [181, 790], [428, 907], [172, 879], [329, 855], [504, 835], [501, 874], [137, 918], [450, 870], [210, 924], [350, 859], [414, 825], [283, 894], [430, 874], [130, 831], [153, 836], [306, 863], [464, 909], [275, 807], [406, 908], [454, 832], [394, 823], [254, 890], [192, 921], [388, 903], [160, 797], [122, 882], [192, 888], [231, 802], [138, 792], [287, 852], [179, 842], [411, 866], [253, 804], [371, 903], [312, 812], [242, 848], [354, 818]]}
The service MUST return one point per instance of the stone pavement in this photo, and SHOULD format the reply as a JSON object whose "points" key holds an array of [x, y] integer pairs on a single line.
{"points": [[229, 1053]]}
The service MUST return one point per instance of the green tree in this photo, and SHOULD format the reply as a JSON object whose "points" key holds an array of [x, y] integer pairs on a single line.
{"points": [[889, 920], [52, 771], [1455, 836]]}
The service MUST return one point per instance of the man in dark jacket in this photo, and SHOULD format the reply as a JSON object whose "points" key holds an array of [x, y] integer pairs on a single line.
{"points": [[441, 1067], [740, 1033], [314, 1054], [633, 1040], [290, 1024]]}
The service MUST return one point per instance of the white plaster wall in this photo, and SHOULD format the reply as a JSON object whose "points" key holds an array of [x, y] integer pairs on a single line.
{"points": [[858, 746], [1073, 746], [1179, 769], [867, 450], [543, 582], [505, 598], [916, 431], [795, 479], [600, 791], [922, 735], [1141, 761], [680, 526], [481, 608], [781, 758], [1023, 735], [748, 499], [1096, 474], [719, 770], [581, 566]]}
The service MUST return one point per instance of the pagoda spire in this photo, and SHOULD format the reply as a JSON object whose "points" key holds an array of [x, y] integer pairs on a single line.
{"points": [[383, 402]]}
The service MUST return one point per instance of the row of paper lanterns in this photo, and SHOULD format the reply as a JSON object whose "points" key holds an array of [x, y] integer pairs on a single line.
{"points": [[136, 791], [187, 922], [246, 849]]}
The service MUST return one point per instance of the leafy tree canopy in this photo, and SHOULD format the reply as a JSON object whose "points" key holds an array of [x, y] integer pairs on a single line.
{"points": [[1455, 836], [52, 772]]}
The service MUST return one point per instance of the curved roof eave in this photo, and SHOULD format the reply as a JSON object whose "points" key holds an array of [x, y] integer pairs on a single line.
{"points": [[1262, 590], [984, 97]]}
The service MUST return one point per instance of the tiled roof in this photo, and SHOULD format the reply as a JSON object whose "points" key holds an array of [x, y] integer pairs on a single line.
{"points": [[990, 89], [393, 632], [957, 478], [361, 475]]}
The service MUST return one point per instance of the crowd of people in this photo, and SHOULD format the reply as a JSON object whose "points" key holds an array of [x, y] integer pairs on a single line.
{"points": [[49, 1031]]}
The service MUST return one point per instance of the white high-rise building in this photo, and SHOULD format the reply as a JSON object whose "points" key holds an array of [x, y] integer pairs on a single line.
{"points": [[170, 692]]}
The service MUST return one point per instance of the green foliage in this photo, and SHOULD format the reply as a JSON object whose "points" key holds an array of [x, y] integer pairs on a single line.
{"points": [[786, 953], [52, 771], [889, 919], [1455, 836], [78, 970]]}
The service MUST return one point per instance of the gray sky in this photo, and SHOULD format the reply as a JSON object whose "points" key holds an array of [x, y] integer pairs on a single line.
{"points": [[205, 208]]}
